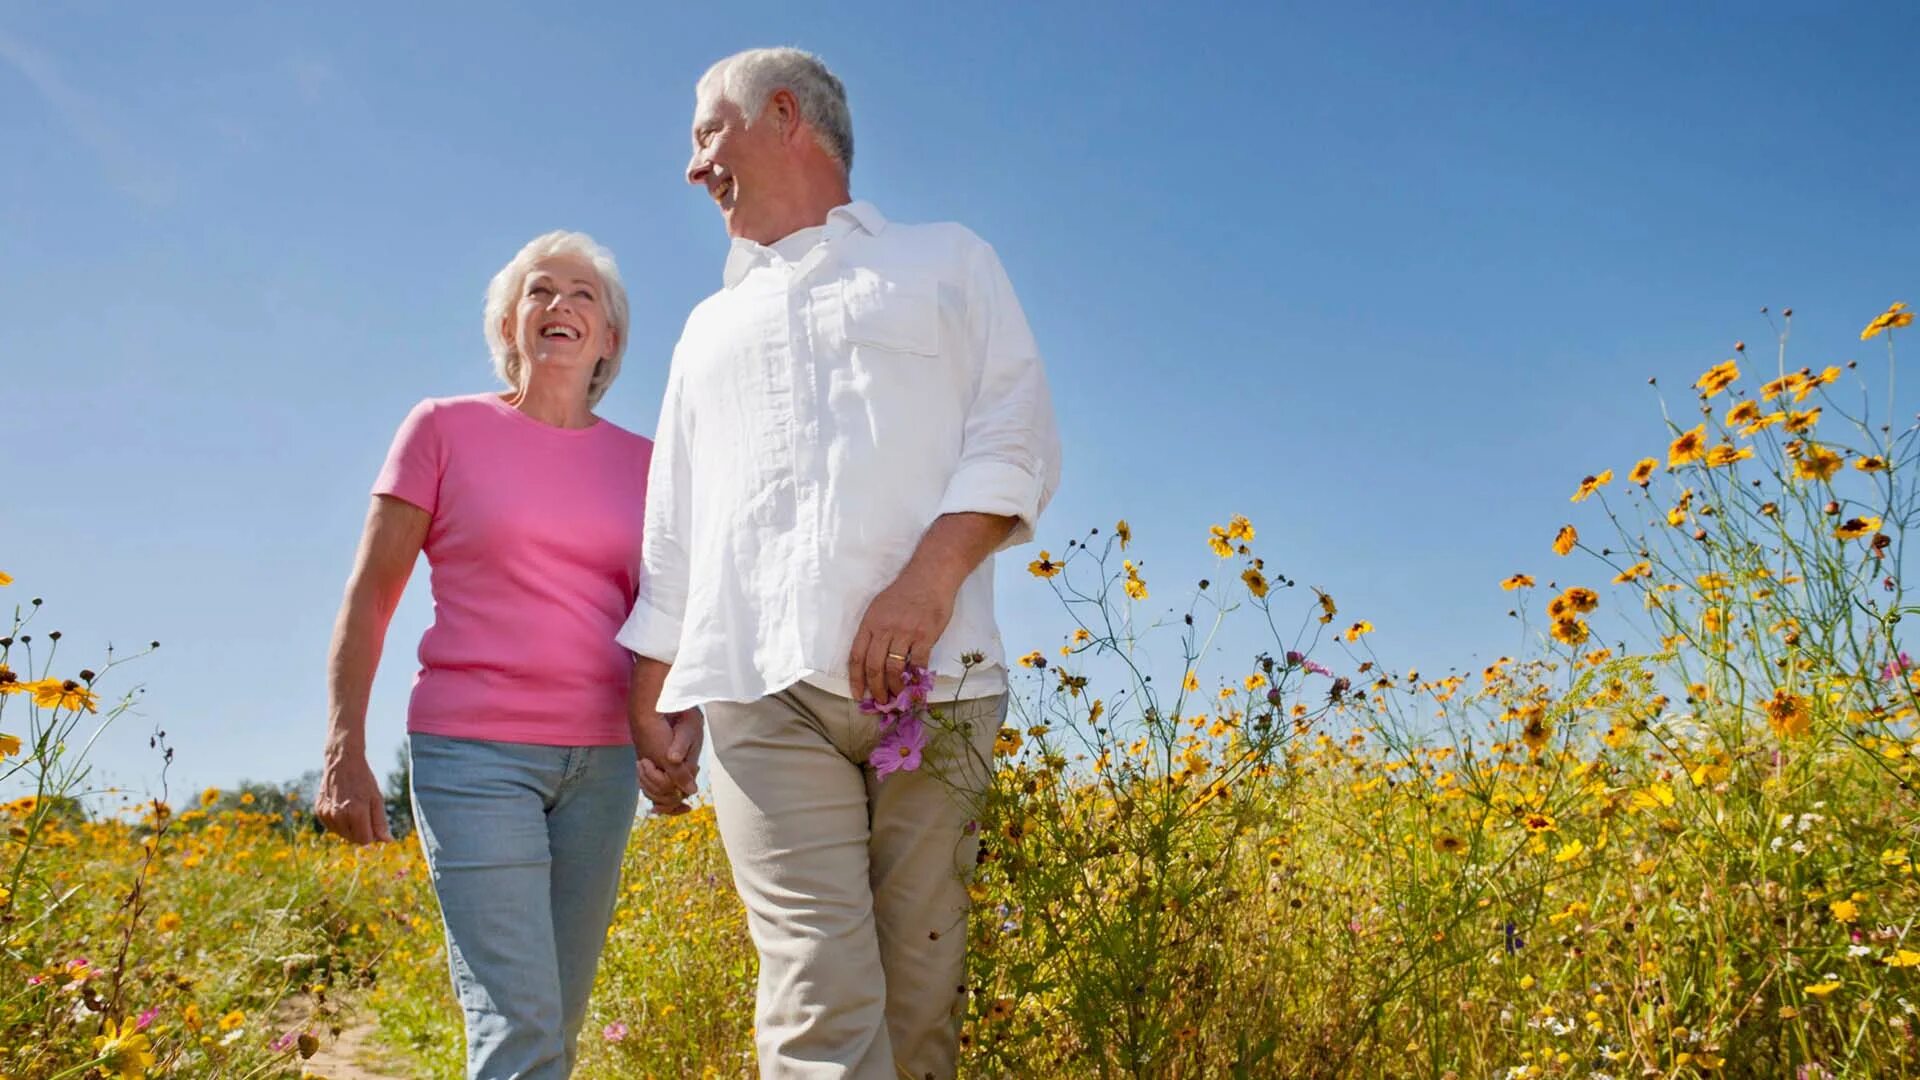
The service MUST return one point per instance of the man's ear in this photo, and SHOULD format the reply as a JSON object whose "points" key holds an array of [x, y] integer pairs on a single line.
{"points": [[785, 110]]}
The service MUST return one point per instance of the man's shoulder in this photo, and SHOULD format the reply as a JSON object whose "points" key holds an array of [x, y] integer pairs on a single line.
{"points": [[933, 238]]}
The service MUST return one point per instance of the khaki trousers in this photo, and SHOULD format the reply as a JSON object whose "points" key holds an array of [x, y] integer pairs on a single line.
{"points": [[855, 887]]}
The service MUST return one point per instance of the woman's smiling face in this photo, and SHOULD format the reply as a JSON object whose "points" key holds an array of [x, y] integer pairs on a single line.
{"points": [[561, 318]]}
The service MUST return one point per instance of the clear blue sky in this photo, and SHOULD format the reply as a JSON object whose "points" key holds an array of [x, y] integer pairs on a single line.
{"points": [[1389, 280]]}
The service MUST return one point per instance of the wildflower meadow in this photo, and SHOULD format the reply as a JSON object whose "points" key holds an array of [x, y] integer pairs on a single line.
{"points": [[1674, 838]]}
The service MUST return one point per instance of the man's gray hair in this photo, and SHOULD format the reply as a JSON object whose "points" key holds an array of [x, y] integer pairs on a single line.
{"points": [[748, 79]]}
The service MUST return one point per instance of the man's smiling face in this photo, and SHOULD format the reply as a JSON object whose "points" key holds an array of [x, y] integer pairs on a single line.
{"points": [[738, 164]]}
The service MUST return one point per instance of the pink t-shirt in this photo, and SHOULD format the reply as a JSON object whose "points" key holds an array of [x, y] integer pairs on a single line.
{"points": [[535, 551]]}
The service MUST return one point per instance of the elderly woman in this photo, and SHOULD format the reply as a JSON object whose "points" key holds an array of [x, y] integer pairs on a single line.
{"points": [[529, 510]]}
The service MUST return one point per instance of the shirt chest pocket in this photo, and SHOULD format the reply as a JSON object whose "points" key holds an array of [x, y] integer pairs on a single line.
{"points": [[894, 314]]}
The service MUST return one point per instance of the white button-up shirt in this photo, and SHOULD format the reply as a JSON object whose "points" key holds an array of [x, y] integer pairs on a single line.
{"points": [[819, 415]]}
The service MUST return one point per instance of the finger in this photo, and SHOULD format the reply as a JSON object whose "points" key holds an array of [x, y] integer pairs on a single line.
{"points": [[686, 737], [671, 810], [685, 778], [857, 662], [659, 787], [876, 667], [382, 832], [356, 828]]}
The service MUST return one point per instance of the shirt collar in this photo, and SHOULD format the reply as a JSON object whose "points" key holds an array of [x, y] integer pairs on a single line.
{"points": [[744, 255]]}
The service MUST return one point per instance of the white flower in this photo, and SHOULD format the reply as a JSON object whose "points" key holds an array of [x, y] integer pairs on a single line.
{"points": [[1857, 951], [1799, 847]]}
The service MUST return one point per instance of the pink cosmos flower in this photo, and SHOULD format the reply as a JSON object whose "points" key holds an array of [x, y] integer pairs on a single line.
{"points": [[614, 1032]]}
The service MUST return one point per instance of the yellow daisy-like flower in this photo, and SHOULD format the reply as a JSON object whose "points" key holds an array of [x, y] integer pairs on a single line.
{"points": [[1033, 660], [1593, 483], [1816, 463], [1822, 989], [1581, 599], [1124, 532], [1855, 528], [1677, 516], [1006, 741], [1787, 714], [168, 922], [9, 744], [1643, 471], [1688, 447], [1903, 958], [1517, 581], [1726, 454], [1565, 539], [1570, 630], [1871, 463], [1633, 573], [1802, 422], [5, 578], [1785, 384], [1044, 566], [1327, 610], [1718, 378], [1449, 844], [126, 1050], [232, 1020], [1538, 821], [1746, 412], [1572, 850], [1256, 581], [1135, 586], [1844, 911], [1892, 319], [1537, 733], [1191, 683], [1217, 540], [59, 694], [1762, 423], [1240, 529], [1254, 682], [1358, 629]]}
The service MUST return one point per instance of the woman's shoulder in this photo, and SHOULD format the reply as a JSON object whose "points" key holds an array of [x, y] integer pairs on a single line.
{"points": [[626, 439]]}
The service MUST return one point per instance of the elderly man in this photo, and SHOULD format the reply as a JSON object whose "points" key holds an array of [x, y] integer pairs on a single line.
{"points": [[852, 426]]}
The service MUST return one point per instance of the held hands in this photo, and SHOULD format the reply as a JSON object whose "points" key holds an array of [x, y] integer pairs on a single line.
{"points": [[668, 748], [348, 802], [900, 627]]}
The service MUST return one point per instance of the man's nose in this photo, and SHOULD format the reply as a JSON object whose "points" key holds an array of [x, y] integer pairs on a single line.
{"points": [[698, 168]]}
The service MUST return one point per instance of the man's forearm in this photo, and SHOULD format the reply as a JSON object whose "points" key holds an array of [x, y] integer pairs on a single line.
{"points": [[643, 700], [955, 545]]}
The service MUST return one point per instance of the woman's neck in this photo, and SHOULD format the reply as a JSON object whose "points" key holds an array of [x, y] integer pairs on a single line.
{"points": [[559, 401]]}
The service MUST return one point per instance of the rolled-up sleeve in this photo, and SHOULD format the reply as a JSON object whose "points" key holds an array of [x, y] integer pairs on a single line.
{"points": [[1010, 452], [653, 628]]}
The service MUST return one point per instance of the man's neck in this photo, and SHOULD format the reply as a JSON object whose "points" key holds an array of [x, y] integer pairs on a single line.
{"points": [[809, 206]]}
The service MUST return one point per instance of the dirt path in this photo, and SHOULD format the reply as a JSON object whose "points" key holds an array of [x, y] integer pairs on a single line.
{"points": [[348, 1056], [342, 1059]]}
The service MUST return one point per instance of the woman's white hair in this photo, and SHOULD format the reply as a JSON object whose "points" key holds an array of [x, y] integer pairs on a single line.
{"points": [[748, 79], [503, 292]]}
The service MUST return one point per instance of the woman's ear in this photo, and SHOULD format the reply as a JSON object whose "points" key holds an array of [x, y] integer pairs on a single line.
{"points": [[506, 330]]}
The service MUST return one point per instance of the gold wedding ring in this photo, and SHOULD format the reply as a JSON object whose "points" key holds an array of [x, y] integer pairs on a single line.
{"points": [[896, 656]]}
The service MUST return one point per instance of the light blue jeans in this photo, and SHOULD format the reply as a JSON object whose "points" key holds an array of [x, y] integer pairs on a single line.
{"points": [[525, 844]]}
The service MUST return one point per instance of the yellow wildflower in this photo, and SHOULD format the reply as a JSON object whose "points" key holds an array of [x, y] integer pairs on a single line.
{"points": [[1855, 528], [1358, 629], [1787, 714], [1643, 471], [1893, 318], [1688, 447], [1565, 539], [1632, 573], [1240, 529], [1726, 454], [1592, 484], [1718, 378], [1517, 581], [1044, 566]]}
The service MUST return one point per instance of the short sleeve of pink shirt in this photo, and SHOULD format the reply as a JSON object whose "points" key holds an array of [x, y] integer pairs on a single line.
{"points": [[534, 550]]}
